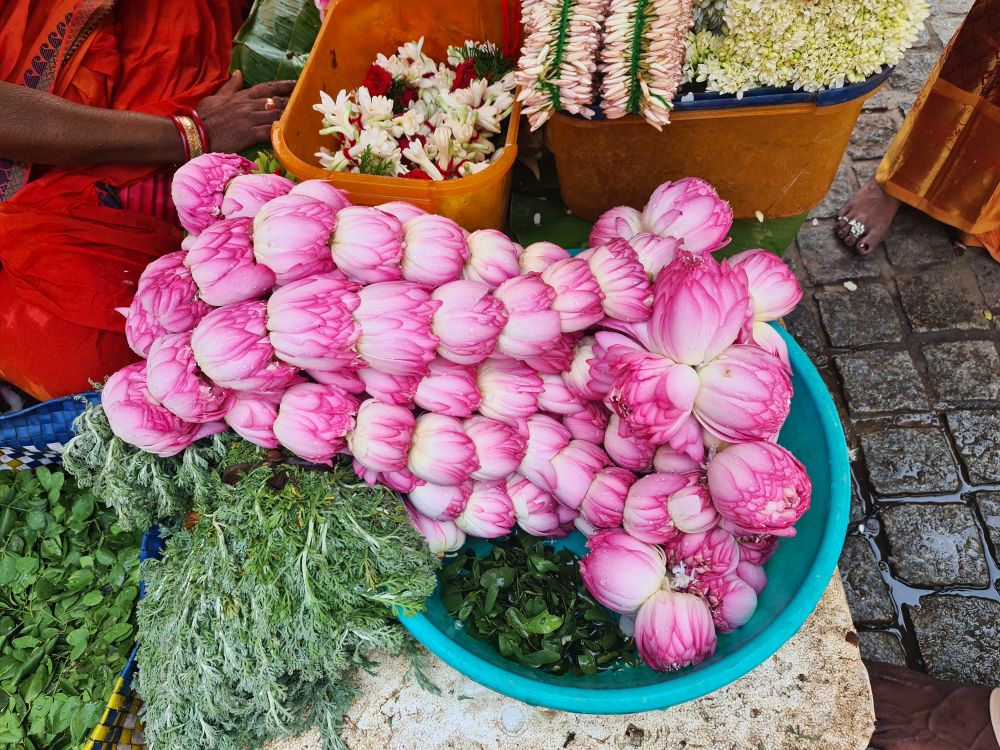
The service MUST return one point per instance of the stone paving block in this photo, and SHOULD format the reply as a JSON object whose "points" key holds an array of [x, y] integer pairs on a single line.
{"points": [[867, 594], [958, 637], [857, 511], [916, 240], [884, 98], [871, 135], [801, 323], [964, 370], [840, 191], [942, 299], [935, 545], [940, 7], [987, 273], [864, 171], [879, 645], [913, 71], [827, 260], [989, 508], [910, 460], [880, 381], [858, 318], [945, 27], [977, 435]]}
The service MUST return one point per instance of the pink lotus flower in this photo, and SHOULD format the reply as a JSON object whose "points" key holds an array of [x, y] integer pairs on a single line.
{"points": [[468, 322], [493, 258], [774, 290], [654, 252], [753, 575], [441, 452], [246, 194], [442, 536], [557, 398], [232, 349], [532, 325], [588, 376], [538, 256], [757, 548], [745, 394], [556, 359], [323, 191], [766, 336], [622, 280], [314, 420], [759, 486], [311, 323], [509, 388], [689, 440], [626, 449], [575, 466], [604, 503], [434, 250], [395, 319], [489, 512], [653, 396], [691, 509], [731, 600], [621, 222], [367, 245], [567, 519], [198, 187], [713, 552], [401, 481], [222, 264], [137, 418], [621, 571], [699, 308], [291, 236], [345, 377], [674, 629], [441, 502], [578, 296], [546, 437], [380, 440], [252, 417], [537, 512], [173, 379], [691, 211], [666, 459], [165, 301], [401, 210], [499, 447], [645, 515], [582, 525], [588, 424], [448, 388], [390, 389]]}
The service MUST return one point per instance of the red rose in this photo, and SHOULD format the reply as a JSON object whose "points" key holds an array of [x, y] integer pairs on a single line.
{"points": [[417, 174], [377, 80], [408, 97], [465, 74]]}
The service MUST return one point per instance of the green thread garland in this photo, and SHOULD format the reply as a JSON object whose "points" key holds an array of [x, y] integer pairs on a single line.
{"points": [[560, 51], [640, 26]]}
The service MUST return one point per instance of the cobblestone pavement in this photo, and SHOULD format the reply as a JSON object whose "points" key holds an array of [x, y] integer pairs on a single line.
{"points": [[908, 345]]}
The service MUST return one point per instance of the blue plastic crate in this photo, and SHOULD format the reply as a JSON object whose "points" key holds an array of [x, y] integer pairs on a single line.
{"points": [[35, 436]]}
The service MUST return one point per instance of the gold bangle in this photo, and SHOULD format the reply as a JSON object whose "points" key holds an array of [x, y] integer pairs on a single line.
{"points": [[191, 135]]}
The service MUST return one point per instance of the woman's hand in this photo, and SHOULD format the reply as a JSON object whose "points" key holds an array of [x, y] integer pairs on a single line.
{"points": [[237, 118]]}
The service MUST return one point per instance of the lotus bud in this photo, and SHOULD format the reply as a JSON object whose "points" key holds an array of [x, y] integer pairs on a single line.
{"points": [[395, 319], [246, 194], [713, 552], [567, 518], [766, 336], [587, 424], [291, 236], [138, 419], [588, 375], [674, 629], [401, 481], [584, 527], [575, 466], [556, 359], [448, 388], [654, 252], [441, 502], [689, 440], [489, 512], [752, 574], [499, 447], [557, 398], [441, 452], [621, 571], [442, 536], [198, 186], [691, 211], [232, 349], [532, 326], [323, 191], [774, 290], [434, 250], [314, 420], [667, 460], [622, 280], [380, 440], [546, 437], [509, 388], [252, 416], [468, 321], [537, 512], [401, 210], [390, 389], [653, 395], [645, 515], [621, 222], [538, 256], [691, 509], [222, 264], [578, 296], [626, 449], [367, 245], [173, 379], [757, 548], [604, 503], [345, 377], [759, 486], [493, 258], [731, 600]]}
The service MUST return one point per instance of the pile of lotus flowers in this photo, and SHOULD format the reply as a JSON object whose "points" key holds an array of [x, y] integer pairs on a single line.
{"points": [[633, 392]]}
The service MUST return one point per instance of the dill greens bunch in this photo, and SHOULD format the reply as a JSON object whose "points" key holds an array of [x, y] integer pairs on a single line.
{"points": [[254, 619]]}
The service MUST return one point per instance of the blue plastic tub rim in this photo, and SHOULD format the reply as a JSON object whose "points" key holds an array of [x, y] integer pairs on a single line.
{"points": [[729, 668]]}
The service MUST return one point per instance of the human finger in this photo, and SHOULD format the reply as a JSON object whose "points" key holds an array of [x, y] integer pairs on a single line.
{"points": [[234, 84], [271, 89]]}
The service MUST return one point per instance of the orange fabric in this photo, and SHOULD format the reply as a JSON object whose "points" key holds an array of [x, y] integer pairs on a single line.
{"points": [[66, 261]]}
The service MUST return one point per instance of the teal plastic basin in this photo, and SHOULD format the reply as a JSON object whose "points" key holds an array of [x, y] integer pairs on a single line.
{"points": [[797, 576]]}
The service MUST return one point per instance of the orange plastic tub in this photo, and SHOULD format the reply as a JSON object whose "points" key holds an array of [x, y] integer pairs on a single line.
{"points": [[353, 33], [774, 151]]}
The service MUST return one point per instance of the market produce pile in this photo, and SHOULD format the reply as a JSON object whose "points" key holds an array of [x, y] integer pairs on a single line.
{"points": [[414, 118], [494, 385]]}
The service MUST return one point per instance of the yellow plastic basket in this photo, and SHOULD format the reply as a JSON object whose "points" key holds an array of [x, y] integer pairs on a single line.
{"points": [[120, 727]]}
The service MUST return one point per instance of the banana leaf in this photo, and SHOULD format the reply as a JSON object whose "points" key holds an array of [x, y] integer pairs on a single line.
{"points": [[274, 42]]}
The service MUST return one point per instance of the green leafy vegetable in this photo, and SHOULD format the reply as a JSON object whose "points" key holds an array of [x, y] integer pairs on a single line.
{"points": [[368, 163], [528, 600]]}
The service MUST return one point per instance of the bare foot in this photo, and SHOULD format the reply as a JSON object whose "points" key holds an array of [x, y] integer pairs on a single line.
{"points": [[874, 209], [917, 712]]}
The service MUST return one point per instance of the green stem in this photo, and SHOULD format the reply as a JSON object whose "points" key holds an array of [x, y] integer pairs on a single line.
{"points": [[633, 73]]}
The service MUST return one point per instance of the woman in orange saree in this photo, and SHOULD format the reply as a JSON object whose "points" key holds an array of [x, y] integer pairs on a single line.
{"points": [[945, 159], [87, 149]]}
